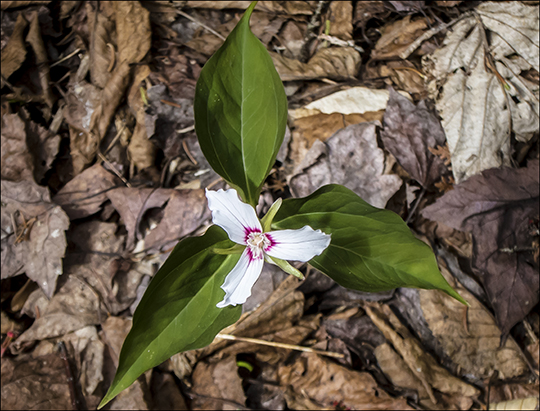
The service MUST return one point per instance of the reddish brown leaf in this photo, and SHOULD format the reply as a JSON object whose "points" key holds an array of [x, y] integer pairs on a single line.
{"points": [[497, 207], [84, 195], [35, 384], [409, 133]]}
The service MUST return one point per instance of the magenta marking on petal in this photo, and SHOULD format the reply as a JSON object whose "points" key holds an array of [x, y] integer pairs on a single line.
{"points": [[252, 257], [272, 243], [248, 231]]}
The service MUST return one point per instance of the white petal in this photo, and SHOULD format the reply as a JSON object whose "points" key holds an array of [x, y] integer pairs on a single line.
{"points": [[238, 219], [240, 280], [298, 245]]}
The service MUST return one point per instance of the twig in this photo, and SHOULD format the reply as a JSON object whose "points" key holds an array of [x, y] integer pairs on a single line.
{"points": [[186, 129], [171, 103], [75, 403], [65, 58], [411, 213], [213, 183], [280, 345], [194, 20], [428, 34], [188, 153], [115, 139], [113, 169], [113, 57]]}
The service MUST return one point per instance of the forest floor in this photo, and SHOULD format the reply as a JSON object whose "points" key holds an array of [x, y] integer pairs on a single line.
{"points": [[428, 109]]}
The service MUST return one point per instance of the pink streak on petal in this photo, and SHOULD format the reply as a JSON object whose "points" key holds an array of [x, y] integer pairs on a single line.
{"points": [[272, 242], [248, 231]]}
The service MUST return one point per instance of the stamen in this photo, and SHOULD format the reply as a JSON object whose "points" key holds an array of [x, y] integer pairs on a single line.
{"points": [[257, 242]]}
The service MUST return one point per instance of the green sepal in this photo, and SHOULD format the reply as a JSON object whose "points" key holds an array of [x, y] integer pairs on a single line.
{"points": [[285, 266], [266, 221]]}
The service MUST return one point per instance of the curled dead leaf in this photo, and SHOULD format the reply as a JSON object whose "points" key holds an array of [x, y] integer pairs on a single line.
{"points": [[14, 54], [334, 63]]}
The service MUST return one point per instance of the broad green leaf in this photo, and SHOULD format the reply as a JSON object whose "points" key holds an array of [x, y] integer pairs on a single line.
{"points": [[178, 310], [371, 249], [241, 111]]}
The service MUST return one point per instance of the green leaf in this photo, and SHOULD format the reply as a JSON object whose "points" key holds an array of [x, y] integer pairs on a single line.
{"points": [[371, 249], [178, 310], [241, 111]]}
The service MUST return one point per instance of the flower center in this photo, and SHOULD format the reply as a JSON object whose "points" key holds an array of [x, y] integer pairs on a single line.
{"points": [[257, 242]]}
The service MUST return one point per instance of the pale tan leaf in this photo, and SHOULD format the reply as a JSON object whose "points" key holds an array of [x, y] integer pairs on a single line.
{"points": [[14, 54]]}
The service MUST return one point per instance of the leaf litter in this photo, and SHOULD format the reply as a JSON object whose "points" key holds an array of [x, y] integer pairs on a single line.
{"points": [[102, 174]]}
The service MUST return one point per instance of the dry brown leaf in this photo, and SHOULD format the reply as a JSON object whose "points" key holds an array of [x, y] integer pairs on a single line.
{"points": [[163, 120], [512, 392], [350, 157], [294, 335], [13, 4], [404, 75], [17, 162], [8, 324], [397, 371], [37, 243], [109, 100], [97, 260], [134, 40], [44, 147], [42, 62], [85, 194], [530, 403], [165, 393], [305, 133], [73, 307], [132, 30], [410, 133], [332, 63], [185, 212], [285, 7], [14, 54], [35, 384], [279, 312], [270, 279], [132, 398], [396, 37], [114, 331], [132, 203], [328, 384], [141, 151], [421, 363], [82, 100], [220, 381], [102, 43], [470, 336], [341, 19], [89, 350]]}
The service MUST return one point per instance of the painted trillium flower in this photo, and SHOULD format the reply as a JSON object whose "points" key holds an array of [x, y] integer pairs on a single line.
{"points": [[240, 222]]}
